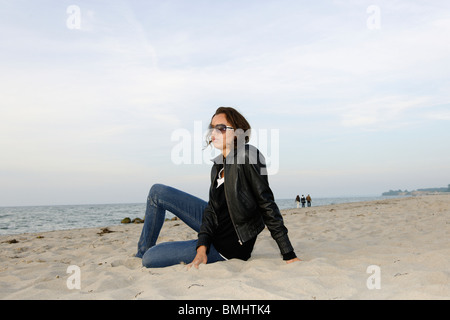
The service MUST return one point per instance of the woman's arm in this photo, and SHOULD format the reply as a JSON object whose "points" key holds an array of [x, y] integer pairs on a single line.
{"points": [[256, 174], [209, 224]]}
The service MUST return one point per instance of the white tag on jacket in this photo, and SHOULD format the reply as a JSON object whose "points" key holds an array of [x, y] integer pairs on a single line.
{"points": [[219, 179]]}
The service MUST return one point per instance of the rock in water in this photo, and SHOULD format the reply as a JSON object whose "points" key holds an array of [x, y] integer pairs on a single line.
{"points": [[126, 220]]}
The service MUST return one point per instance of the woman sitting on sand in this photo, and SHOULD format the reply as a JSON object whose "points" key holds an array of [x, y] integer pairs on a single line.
{"points": [[240, 204]]}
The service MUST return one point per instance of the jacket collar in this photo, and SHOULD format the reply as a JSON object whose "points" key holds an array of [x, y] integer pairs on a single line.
{"points": [[218, 159], [232, 156]]}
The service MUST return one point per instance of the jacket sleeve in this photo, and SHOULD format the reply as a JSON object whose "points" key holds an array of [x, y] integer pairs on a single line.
{"points": [[209, 223], [256, 174]]}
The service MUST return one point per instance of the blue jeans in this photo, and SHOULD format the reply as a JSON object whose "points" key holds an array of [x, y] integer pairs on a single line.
{"points": [[186, 207]]}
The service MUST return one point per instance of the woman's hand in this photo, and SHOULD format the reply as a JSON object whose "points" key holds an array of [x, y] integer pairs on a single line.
{"points": [[200, 258], [292, 260]]}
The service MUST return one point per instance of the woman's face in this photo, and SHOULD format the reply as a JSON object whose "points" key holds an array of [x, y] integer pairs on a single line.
{"points": [[222, 140]]}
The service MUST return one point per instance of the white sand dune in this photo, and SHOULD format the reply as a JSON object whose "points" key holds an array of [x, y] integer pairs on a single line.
{"points": [[406, 239]]}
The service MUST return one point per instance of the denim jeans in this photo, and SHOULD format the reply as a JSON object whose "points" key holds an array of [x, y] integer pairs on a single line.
{"points": [[187, 208]]}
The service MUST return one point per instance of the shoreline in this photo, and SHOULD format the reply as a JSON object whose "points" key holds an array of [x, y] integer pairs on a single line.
{"points": [[281, 203], [406, 238]]}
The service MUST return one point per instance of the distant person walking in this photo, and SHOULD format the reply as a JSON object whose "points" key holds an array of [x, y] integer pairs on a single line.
{"points": [[303, 201], [297, 200], [308, 200]]}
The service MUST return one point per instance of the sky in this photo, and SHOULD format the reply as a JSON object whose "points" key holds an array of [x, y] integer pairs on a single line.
{"points": [[99, 100]]}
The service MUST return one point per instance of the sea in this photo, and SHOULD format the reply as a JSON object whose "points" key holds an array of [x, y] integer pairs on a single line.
{"points": [[35, 219]]}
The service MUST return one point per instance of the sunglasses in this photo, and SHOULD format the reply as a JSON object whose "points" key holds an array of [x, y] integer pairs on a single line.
{"points": [[221, 127]]}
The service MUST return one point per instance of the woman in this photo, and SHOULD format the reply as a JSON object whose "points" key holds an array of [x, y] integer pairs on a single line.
{"points": [[240, 205]]}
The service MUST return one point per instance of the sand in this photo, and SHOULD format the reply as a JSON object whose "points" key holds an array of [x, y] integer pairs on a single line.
{"points": [[389, 249]]}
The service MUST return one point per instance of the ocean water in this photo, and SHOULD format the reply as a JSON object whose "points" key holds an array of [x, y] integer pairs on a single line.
{"points": [[16, 220]]}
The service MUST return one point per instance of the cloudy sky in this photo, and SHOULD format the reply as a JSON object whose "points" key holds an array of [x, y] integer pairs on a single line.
{"points": [[97, 97]]}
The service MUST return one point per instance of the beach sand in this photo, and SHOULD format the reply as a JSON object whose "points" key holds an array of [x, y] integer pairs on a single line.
{"points": [[406, 240]]}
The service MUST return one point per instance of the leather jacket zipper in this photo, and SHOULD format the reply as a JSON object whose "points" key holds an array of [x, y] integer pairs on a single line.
{"points": [[231, 216]]}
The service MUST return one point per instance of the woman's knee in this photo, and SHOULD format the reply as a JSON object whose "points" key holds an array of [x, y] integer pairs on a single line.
{"points": [[151, 260], [147, 261], [155, 192], [170, 253], [158, 259]]}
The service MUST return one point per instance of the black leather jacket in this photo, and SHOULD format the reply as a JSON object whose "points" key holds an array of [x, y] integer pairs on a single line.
{"points": [[249, 198]]}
